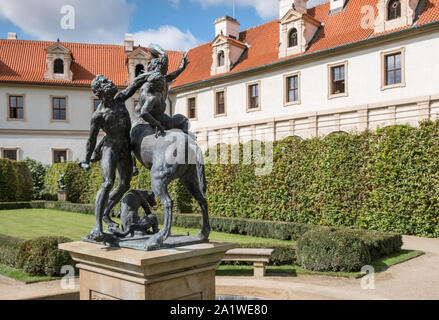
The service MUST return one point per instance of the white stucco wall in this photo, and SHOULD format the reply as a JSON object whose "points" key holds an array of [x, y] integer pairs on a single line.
{"points": [[30, 135], [364, 85]]}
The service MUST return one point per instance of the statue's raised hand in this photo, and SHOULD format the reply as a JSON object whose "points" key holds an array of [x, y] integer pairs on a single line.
{"points": [[184, 62]]}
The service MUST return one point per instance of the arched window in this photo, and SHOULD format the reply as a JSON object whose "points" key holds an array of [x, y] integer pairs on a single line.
{"points": [[221, 59], [139, 69], [394, 10], [292, 38], [58, 66]]}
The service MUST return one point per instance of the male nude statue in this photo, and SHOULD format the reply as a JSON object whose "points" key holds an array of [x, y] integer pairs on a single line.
{"points": [[113, 118], [153, 94]]}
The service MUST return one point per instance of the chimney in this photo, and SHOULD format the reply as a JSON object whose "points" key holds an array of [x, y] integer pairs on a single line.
{"points": [[337, 5], [287, 5], [129, 42], [12, 36], [227, 26]]}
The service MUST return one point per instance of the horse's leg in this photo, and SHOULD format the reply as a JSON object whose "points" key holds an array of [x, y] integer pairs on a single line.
{"points": [[159, 185], [192, 186]]}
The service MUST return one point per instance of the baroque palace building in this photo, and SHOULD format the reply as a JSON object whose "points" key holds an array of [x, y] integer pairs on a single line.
{"points": [[343, 66]]}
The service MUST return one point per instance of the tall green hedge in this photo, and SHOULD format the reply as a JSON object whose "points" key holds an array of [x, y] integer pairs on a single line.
{"points": [[15, 181], [386, 180]]}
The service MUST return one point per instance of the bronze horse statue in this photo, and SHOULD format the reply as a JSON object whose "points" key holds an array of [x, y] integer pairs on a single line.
{"points": [[172, 156]]}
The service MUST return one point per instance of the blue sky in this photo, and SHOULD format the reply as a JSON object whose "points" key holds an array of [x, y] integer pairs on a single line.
{"points": [[175, 24]]}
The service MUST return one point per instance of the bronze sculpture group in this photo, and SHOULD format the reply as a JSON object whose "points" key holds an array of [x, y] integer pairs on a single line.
{"points": [[159, 142]]}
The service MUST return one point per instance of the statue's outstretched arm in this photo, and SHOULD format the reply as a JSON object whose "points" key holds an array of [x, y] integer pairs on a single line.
{"points": [[91, 143], [138, 82], [174, 75]]}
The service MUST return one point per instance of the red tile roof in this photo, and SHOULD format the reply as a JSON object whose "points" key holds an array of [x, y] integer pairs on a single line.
{"points": [[25, 61], [339, 29]]}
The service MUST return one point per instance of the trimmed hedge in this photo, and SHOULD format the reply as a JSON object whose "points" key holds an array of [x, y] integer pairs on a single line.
{"points": [[15, 181], [329, 249], [41, 256], [384, 181], [8, 250]]}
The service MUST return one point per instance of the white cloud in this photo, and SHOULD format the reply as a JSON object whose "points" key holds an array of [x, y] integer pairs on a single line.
{"points": [[102, 21], [175, 3], [169, 37]]}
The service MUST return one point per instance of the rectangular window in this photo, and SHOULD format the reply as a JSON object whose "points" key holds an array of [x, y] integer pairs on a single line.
{"points": [[253, 95], [59, 109], [96, 104], [393, 69], [11, 154], [16, 109], [293, 89], [338, 80], [59, 156], [192, 108], [220, 108]]}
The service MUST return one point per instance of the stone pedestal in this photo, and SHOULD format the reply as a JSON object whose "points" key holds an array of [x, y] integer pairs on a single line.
{"points": [[62, 195], [184, 273]]}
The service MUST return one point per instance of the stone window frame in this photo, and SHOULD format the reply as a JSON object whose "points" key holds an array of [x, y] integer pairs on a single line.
{"points": [[299, 88], [8, 115], [53, 150], [216, 115], [346, 80], [248, 85], [17, 150], [194, 96], [51, 108], [384, 54]]}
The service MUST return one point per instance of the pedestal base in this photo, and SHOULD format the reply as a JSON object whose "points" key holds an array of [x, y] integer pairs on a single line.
{"points": [[184, 273], [62, 195]]}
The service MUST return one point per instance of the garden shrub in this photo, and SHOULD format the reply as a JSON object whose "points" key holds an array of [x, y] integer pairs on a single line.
{"points": [[41, 256], [329, 249], [15, 181], [8, 250], [38, 172]]}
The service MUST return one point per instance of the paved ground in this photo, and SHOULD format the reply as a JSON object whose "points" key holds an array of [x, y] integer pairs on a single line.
{"points": [[415, 279]]}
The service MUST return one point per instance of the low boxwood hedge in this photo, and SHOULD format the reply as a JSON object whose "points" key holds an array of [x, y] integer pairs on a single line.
{"points": [[330, 249], [8, 250], [41, 256]]}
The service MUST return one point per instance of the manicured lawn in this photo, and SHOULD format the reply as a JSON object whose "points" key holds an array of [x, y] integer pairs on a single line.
{"points": [[22, 276], [379, 265], [33, 223]]}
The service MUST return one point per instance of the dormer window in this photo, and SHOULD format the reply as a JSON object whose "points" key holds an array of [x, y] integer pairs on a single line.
{"points": [[221, 59], [137, 62], [394, 10], [59, 62], [140, 68], [292, 38], [394, 14], [58, 66], [297, 28]]}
